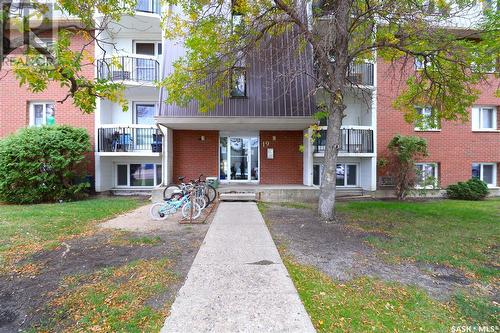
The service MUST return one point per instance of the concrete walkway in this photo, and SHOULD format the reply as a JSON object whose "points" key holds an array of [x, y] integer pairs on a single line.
{"points": [[237, 282]]}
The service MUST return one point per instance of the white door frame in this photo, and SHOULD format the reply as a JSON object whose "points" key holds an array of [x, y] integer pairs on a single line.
{"points": [[249, 158]]}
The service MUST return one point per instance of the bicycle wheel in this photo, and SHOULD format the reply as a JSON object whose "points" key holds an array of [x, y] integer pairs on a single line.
{"points": [[201, 201], [169, 190], [211, 192], [158, 211], [186, 210]]}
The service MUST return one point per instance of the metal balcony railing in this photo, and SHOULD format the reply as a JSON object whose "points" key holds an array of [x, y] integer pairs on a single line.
{"points": [[357, 141], [128, 68], [148, 6], [361, 74], [133, 138]]}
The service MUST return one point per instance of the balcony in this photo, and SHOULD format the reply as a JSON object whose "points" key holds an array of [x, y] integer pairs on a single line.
{"points": [[129, 139], [129, 68], [353, 141], [148, 6], [361, 74]]}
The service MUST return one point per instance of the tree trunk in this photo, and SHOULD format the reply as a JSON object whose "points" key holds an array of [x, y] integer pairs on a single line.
{"points": [[326, 208]]}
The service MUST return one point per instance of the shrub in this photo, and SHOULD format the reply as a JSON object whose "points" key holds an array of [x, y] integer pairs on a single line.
{"points": [[43, 164], [473, 189], [404, 152]]}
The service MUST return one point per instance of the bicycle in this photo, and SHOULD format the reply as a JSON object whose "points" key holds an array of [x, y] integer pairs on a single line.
{"points": [[162, 210], [204, 190]]}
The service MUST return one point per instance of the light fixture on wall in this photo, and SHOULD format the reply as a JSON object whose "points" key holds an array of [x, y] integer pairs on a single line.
{"points": [[274, 137], [202, 138]]}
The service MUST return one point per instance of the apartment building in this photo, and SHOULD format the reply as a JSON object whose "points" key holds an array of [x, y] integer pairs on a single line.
{"points": [[253, 137], [457, 150], [129, 144], [258, 135]]}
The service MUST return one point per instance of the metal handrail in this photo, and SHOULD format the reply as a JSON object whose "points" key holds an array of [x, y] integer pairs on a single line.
{"points": [[129, 139], [128, 68], [357, 141]]}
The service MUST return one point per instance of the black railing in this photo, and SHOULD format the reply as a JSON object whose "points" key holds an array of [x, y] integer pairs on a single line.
{"points": [[125, 68], [361, 74], [148, 6], [130, 139], [352, 141]]}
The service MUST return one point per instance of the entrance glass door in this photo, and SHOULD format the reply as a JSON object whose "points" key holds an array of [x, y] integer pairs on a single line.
{"points": [[239, 158]]}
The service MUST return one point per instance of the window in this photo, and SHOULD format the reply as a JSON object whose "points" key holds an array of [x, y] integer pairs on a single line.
{"points": [[426, 175], [421, 63], [144, 113], [487, 172], [347, 174], [138, 175], [427, 119], [42, 113], [147, 67], [317, 174], [148, 6], [238, 82], [152, 48], [484, 118]]}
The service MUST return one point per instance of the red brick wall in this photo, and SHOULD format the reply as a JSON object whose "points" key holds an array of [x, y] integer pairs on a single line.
{"points": [[192, 156], [287, 165], [455, 147], [14, 102]]}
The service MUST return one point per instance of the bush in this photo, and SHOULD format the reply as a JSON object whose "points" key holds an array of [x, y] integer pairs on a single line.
{"points": [[43, 164], [473, 189], [404, 152]]}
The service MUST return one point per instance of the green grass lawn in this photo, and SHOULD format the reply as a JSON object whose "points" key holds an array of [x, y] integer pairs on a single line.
{"points": [[25, 229], [461, 234], [368, 305]]}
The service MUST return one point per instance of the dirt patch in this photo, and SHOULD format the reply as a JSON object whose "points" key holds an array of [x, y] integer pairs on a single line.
{"points": [[343, 254], [24, 300]]}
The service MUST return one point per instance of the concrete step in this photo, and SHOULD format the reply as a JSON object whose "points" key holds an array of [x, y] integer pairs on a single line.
{"points": [[238, 196]]}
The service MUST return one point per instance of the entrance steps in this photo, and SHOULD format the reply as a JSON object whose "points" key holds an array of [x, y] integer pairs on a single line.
{"points": [[237, 193], [238, 196]]}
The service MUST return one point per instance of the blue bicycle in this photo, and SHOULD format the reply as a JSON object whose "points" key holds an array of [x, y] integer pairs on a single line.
{"points": [[162, 210]]}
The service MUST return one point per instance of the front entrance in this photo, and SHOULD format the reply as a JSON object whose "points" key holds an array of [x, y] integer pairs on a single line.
{"points": [[239, 158]]}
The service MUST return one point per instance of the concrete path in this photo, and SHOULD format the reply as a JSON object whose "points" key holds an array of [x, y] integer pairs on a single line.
{"points": [[237, 282]]}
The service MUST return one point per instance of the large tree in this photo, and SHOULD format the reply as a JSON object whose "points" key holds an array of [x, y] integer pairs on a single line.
{"points": [[217, 36]]}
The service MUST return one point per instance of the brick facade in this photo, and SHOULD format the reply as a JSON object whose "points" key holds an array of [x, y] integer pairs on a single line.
{"points": [[455, 147], [287, 165], [192, 156], [15, 99]]}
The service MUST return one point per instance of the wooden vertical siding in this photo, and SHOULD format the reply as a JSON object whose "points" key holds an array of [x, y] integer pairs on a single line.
{"points": [[278, 84]]}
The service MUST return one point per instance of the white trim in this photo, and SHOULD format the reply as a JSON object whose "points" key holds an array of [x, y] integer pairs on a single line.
{"points": [[44, 111], [477, 118], [426, 113], [127, 125], [249, 159], [358, 168], [481, 173], [436, 174], [128, 153], [134, 111], [156, 42], [155, 173]]}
